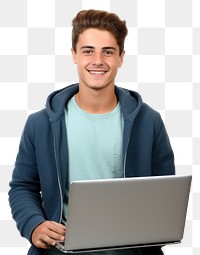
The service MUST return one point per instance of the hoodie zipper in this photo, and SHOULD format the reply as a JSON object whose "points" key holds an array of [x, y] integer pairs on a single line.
{"points": [[57, 170], [125, 157], [126, 149], [125, 164]]}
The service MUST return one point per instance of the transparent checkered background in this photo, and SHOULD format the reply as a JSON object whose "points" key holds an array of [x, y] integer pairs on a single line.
{"points": [[162, 63]]}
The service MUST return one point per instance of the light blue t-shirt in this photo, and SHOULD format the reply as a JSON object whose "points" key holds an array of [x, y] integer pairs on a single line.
{"points": [[95, 143]]}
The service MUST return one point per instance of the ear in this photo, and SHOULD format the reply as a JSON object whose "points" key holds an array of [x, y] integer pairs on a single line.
{"points": [[121, 58], [73, 55]]}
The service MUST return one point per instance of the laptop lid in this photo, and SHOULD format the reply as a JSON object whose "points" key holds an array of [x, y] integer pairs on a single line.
{"points": [[126, 212]]}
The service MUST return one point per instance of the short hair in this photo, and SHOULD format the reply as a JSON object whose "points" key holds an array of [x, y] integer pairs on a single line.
{"points": [[101, 20]]}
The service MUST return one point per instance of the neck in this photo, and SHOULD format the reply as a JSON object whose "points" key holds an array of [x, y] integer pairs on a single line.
{"points": [[96, 101]]}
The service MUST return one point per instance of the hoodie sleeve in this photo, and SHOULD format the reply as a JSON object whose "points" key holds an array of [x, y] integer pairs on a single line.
{"points": [[162, 154], [24, 194]]}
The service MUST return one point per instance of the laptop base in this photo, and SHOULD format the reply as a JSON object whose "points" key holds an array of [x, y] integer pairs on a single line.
{"points": [[61, 247]]}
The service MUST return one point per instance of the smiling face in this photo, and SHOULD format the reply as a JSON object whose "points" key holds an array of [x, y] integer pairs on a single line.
{"points": [[98, 59]]}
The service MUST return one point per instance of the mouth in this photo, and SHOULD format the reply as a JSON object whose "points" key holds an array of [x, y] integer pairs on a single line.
{"points": [[97, 73]]}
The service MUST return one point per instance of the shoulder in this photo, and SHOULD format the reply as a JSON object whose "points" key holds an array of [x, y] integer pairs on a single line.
{"points": [[37, 123], [149, 113], [149, 120], [38, 118]]}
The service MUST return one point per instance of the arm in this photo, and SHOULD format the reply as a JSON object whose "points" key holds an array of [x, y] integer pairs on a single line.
{"points": [[162, 155], [24, 194]]}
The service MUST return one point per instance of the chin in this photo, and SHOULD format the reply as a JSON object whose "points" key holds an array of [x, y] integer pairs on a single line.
{"points": [[98, 86]]}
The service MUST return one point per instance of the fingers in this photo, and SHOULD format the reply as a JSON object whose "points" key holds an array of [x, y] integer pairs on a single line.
{"points": [[47, 233]]}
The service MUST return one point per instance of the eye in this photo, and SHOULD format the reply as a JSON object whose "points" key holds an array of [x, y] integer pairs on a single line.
{"points": [[88, 52], [108, 53]]}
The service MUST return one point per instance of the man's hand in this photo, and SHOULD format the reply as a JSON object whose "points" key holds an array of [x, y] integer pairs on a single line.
{"points": [[47, 233]]}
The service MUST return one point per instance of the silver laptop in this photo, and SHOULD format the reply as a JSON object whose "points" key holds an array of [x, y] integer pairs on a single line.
{"points": [[126, 212]]}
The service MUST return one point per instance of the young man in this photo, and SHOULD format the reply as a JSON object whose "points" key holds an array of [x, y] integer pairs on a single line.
{"points": [[89, 130]]}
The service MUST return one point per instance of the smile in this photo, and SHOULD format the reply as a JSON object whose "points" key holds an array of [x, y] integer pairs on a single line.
{"points": [[97, 72]]}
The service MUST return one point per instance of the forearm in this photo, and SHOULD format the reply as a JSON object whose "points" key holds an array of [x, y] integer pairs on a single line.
{"points": [[26, 209]]}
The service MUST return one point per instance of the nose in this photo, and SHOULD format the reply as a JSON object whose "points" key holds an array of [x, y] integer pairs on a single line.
{"points": [[98, 58]]}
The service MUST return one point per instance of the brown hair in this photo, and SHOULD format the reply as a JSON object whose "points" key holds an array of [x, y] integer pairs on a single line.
{"points": [[101, 20]]}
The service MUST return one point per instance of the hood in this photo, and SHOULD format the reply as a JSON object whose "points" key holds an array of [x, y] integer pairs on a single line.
{"points": [[57, 100], [130, 101]]}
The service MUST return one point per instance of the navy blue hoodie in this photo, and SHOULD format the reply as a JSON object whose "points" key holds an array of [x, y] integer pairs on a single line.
{"points": [[41, 169]]}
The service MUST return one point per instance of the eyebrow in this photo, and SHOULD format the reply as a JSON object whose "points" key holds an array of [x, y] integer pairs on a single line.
{"points": [[104, 48]]}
